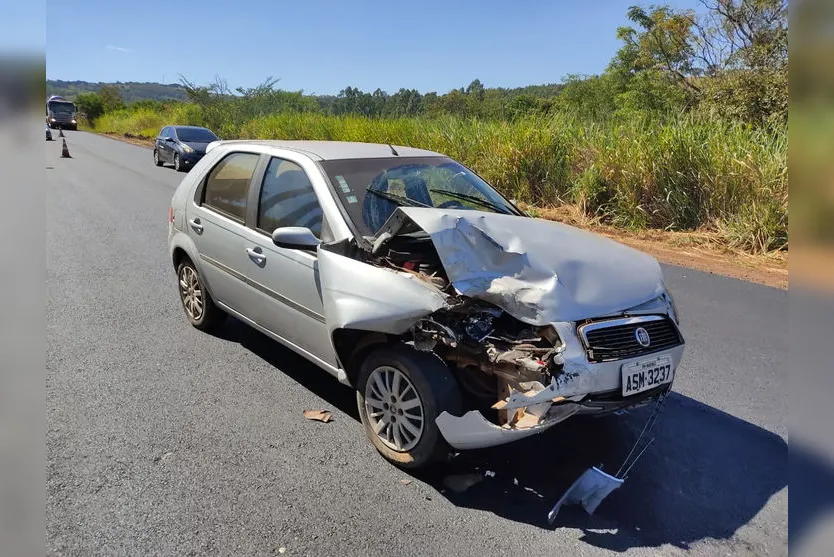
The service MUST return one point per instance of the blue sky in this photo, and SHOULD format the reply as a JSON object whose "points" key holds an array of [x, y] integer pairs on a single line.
{"points": [[323, 46]]}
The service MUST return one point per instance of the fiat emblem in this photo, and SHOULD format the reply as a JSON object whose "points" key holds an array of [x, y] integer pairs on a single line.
{"points": [[642, 337]]}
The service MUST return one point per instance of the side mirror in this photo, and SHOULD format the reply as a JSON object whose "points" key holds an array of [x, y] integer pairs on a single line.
{"points": [[295, 237], [169, 139]]}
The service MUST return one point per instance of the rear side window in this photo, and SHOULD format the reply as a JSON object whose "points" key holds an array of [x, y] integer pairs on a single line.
{"points": [[287, 199], [228, 183]]}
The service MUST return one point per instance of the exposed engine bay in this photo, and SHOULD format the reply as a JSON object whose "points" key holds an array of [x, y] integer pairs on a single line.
{"points": [[493, 353], [498, 300]]}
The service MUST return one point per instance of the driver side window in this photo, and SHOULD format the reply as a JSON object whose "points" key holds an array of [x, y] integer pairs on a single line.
{"points": [[287, 198]]}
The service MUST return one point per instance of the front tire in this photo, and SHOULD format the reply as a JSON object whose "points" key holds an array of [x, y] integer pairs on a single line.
{"points": [[177, 162], [156, 160], [199, 307], [400, 393]]}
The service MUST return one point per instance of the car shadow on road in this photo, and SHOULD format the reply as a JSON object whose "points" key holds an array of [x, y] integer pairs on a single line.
{"points": [[300, 370], [706, 475]]}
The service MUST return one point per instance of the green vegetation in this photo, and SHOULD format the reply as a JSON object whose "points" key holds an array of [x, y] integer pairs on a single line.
{"points": [[129, 92], [686, 129]]}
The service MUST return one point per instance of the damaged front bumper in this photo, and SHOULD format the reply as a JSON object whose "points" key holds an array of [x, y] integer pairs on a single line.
{"points": [[473, 431], [584, 388]]}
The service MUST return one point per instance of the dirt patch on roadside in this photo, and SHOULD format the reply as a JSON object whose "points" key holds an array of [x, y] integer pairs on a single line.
{"points": [[695, 250], [702, 251], [129, 138]]}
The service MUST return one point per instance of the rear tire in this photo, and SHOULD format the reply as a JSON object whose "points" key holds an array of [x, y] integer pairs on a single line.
{"points": [[396, 384], [199, 307]]}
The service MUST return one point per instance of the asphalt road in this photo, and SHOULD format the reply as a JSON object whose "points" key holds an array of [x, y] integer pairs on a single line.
{"points": [[164, 440]]}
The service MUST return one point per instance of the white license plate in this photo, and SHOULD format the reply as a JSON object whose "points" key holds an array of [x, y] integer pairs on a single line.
{"points": [[643, 375]]}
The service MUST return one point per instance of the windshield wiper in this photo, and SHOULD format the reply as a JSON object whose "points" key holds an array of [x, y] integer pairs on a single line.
{"points": [[473, 199], [397, 198]]}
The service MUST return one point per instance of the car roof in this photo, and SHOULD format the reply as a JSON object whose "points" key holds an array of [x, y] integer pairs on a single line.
{"points": [[189, 128], [333, 150]]}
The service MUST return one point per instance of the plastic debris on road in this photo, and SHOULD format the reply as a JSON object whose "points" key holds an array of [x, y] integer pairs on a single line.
{"points": [[588, 490], [594, 485]]}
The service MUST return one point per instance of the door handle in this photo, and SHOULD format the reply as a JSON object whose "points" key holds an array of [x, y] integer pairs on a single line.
{"points": [[256, 255], [195, 224]]}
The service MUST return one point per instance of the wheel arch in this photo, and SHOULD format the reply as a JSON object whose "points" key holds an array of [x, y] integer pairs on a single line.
{"points": [[352, 345], [182, 248], [178, 255]]}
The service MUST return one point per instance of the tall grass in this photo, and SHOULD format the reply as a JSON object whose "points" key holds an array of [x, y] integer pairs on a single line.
{"points": [[692, 173]]}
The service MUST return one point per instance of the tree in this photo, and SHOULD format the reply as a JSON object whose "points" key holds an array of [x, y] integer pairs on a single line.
{"points": [[662, 44], [522, 105], [90, 105], [429, 103], [111, 98], [454, 102], [732, 58], [592, 97], [744, 34], [476, 89], [352, 100], [743, 44]]}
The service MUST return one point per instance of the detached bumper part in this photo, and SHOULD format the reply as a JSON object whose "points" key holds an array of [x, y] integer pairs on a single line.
{"points": [[588, 490], [473, 431]]}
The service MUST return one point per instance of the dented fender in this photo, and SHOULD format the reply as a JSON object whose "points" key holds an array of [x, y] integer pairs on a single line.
{"points": [[352, 296]]}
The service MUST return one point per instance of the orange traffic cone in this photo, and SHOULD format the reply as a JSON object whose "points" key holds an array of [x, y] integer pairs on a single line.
{"points": [[61, 131], [65, 151]]}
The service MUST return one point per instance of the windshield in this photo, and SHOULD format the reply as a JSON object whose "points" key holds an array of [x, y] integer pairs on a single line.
{"points": [[372, 189], [196, 135], [62, 107]]}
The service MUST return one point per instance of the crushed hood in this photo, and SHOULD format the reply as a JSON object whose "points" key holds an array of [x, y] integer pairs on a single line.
{"points": [[536, 270]]}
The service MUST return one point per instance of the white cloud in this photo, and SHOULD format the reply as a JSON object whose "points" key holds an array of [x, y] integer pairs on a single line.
{"points": [[119, 48]]}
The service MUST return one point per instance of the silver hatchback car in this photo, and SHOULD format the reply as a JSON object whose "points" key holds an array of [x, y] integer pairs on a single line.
{"points": [[460, 321]]}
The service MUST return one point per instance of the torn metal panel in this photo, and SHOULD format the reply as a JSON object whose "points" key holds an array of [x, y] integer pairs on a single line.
{"points": [[473, 431], [352, 295], [538, 271], [578, 377], [529, 403]]}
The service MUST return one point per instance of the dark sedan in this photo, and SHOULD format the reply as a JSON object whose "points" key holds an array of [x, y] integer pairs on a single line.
{"points": [[181, 146]]}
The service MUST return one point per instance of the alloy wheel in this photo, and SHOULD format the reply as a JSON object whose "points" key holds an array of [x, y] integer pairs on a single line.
{"points": [[191, 293], [394, 408]]}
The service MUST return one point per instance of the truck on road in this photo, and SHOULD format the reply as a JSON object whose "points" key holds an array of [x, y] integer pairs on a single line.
{"points": [[61, 113]]}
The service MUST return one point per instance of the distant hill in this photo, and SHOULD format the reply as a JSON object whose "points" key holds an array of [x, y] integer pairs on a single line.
{"points": [[135, 91], [131, 90]]}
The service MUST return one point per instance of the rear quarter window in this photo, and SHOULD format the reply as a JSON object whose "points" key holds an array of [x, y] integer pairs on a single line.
{"points": [[227, 184]]}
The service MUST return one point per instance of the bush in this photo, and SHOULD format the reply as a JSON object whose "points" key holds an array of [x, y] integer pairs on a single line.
{"points": [[635, 172]]}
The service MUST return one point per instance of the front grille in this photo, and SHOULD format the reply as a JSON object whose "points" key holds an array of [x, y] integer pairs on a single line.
{"points": [[615, 339]]}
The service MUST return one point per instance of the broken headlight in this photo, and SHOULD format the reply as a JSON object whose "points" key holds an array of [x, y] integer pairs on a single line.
{"points": [[670, 302]]}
